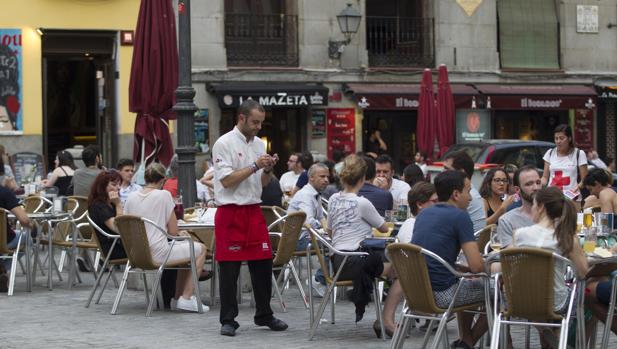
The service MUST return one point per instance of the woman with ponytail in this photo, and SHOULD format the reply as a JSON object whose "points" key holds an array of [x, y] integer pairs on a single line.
{"points": [[554, 216]]}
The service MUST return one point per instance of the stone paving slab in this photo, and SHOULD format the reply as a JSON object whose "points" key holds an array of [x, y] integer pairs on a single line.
{"points": [[58, 319]]}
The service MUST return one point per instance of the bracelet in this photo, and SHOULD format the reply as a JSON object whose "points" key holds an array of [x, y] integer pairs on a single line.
{"points": [[254, 167]]}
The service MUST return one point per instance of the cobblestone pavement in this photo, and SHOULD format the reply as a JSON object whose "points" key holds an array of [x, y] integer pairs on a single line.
{"points": [[58, 319]]}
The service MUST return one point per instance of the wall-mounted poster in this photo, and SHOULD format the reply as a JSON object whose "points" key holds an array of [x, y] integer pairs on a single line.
{"points": [[583, 129], [473, 125], [11, 116], [341, 130]]}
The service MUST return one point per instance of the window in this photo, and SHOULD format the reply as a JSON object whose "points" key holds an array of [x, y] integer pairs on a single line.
{"points": [[260, 33], [528, 34]]}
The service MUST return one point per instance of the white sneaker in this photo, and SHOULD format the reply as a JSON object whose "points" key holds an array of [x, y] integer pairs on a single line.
{"points": [[319, 289], [190, 304]]}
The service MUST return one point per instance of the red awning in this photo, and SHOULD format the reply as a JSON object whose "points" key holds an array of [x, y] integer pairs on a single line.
{"points": [[539, 97], [402, 96]]}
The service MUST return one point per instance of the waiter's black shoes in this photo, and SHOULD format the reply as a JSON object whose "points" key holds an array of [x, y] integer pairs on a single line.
{"points": [[274, 324], [229, 329]]}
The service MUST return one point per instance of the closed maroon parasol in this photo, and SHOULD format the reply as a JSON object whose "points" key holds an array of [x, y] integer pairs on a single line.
{"points": [[426, 115], [154, 79], [445, 111]]}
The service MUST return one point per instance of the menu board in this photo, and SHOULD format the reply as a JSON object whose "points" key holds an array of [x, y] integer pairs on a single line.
{"points": [[341, 130], [10, 82], [27, 166], [583, 129]]}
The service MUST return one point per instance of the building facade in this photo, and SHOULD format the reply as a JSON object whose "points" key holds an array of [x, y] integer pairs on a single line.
{"points": [[518, 67]]}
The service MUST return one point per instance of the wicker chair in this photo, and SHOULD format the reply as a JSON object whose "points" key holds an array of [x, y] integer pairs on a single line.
{"points": [[528, 282], [112, 263], [6, 253], [132, 231], [319, 243], [285, 249], [62, 237], [483, 237], [409, 261], [36, 203]]}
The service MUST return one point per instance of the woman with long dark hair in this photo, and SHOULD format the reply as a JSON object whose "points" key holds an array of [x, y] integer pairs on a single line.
{"points": [[493, 189], [565, 166], [63, 173], [103, 207]]}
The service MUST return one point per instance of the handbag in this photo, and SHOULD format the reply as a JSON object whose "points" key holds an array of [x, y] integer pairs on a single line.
{"points": [[375, 243]]}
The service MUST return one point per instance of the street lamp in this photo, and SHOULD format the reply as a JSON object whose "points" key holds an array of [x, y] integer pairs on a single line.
{"points": [[349, 23]]}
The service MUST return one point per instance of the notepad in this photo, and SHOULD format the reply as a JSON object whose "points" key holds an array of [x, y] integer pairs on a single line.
{"points": [[208, 216]]}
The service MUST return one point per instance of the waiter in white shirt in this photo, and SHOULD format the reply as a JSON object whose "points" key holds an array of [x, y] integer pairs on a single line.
{"points": [[241, 168]]}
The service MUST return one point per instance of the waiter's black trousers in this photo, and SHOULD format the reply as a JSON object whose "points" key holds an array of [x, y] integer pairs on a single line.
{"points": [[261, 279]]}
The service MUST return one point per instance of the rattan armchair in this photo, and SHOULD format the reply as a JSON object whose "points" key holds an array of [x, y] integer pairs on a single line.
{"points": [[483, 237], [7, 253], [132, 231], [528, 284], [409, 261]]}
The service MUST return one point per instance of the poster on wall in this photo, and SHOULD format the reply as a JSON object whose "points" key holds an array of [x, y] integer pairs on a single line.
{"points": [[341, 130], [11, 117], [583, 129], [318, 123], [473, 125]]}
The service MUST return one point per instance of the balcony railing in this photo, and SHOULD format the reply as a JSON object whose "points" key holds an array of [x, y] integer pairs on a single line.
{"points": [[400, 41], [261, 40]]}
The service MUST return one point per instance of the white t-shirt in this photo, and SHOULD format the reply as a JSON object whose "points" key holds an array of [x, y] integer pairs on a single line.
{"points": [[399, 190], [563, 169], [541, 237], [288, 180], [405, 232], [158, 206], [351, 217], [230, 153]]}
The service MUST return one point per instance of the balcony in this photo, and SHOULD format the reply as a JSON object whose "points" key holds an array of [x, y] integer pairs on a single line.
{"points": [[400, 41], [261, 40]]}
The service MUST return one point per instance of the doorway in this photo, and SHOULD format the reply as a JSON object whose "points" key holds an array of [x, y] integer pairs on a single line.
{"points": [[398, 130], [79, 92]]}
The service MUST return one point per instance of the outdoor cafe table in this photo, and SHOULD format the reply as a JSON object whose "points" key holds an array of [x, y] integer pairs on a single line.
{"points": [[193, 225]]}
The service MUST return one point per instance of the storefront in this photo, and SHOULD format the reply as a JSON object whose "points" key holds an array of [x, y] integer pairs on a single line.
{"points": [[393, 110], [606, 118], [289, 108], [531, 112]]}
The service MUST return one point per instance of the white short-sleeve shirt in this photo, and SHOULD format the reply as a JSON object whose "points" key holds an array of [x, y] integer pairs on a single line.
{"points": [[351, 217], [399, 190], [230, 153], [563, 169]]}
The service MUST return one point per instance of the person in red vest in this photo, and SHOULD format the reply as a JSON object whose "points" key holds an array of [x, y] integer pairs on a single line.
{"points": [[241, 169]]}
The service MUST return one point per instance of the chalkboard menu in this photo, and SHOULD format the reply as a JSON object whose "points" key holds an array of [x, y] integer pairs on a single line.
{"points": [[27, 166]]}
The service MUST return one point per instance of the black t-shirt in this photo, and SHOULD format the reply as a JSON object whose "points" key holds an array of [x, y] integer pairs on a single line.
{"points": [[8, 201], [272, 193], [100, 212]]}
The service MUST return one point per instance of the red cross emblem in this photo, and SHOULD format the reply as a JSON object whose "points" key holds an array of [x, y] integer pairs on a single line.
{"points": [[559, 180]]}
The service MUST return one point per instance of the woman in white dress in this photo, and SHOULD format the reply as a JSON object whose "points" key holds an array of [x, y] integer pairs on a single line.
{"points": [[157, 205]]}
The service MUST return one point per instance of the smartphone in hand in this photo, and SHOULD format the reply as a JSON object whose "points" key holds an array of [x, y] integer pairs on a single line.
{"points": [[570, 194]]}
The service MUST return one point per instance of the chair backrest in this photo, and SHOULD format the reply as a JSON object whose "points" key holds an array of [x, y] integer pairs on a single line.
{"points": [[483, 236], [527, 275], [3, 228], [134, 238], [289, 237], [410, 265], [271, 216], [91, 226], [33, 204], [78, 205], [62, 230]]}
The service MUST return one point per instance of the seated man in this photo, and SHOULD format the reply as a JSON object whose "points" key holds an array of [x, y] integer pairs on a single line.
{"points": [[444, 229], [380, 198], [308, 201], [9, 202], [598, 183]]}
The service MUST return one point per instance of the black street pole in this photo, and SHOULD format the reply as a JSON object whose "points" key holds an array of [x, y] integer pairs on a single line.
{"points": [[185, 108]]}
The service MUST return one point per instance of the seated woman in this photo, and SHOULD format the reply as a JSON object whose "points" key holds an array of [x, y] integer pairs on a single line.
{"points": [[103, 207], [350, 220], [494, 187], [63, 173], [421, 196], [157, 205]]}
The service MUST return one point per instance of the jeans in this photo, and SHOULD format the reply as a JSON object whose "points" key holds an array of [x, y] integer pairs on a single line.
{"points": [[301, 246]]}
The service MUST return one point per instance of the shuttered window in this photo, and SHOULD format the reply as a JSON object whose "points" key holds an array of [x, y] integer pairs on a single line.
{"points": [[528, 34]]}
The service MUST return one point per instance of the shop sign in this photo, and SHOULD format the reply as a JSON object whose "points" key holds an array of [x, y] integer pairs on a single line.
{"points": [[277, 99], [583, 129], [11, 116], [341, 135], [473, 125], [541, 102], [318, 122], [388, 102]]}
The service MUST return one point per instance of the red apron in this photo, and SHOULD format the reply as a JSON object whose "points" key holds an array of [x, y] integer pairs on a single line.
{"points": [[241, 233]]}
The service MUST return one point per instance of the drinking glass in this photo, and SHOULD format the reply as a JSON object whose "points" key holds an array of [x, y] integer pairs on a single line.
{"points": [[587, 219], [495, 242], [591, 239], [179, 208]]}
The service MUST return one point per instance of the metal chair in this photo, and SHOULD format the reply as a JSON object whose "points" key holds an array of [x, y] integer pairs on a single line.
{"points": [[528, 282], [112, 263], [132, 231], [6, 253], [409, 261], [318, 243], [285, 249]]}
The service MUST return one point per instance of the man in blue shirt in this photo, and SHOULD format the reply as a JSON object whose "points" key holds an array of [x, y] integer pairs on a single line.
{"points": [[445, 229], [380, 198]]}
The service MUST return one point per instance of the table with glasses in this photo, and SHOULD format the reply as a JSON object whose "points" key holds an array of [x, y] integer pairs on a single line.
{"points": [[51, 218]]}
